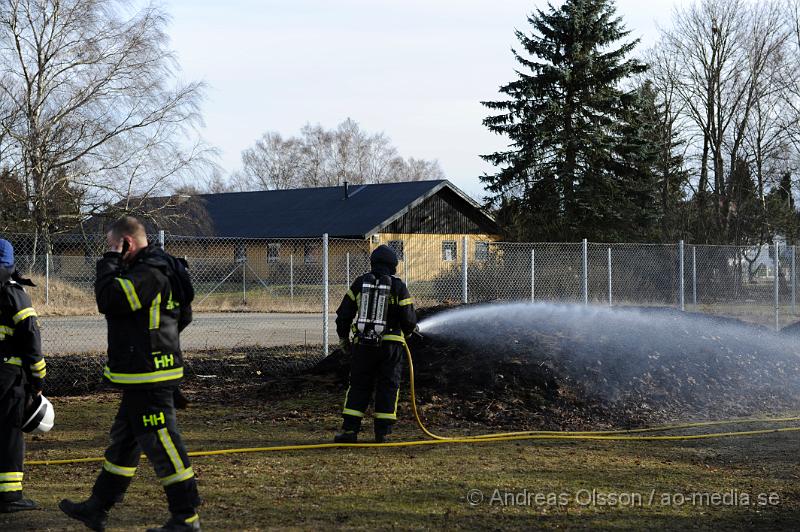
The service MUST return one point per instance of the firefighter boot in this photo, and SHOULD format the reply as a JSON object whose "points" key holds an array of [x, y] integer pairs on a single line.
{"points": [[346, 436], [350, 427], [91, 513], [179, 523], [19, 505], [382, 431]]}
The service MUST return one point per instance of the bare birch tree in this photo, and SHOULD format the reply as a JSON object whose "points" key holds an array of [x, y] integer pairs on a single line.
{"points": [[320, 157], [728, 60], [92, 106]]}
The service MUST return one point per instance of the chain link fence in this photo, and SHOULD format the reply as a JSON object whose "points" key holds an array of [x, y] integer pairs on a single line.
{"points": [[265, 306]]}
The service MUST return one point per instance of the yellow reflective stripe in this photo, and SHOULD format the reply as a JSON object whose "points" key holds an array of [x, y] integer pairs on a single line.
{"points": [[13, 476], [405, 302], [394, 338], [119, 470], [23, 314], [393, 415], [10, 486], [38, 369], [6, 331], [155, 313], [351, 295], [143, 378], [191, 519], [16, 361], [350, 411], [171, 303], [130, 293], [172, 452], [186, 474]]}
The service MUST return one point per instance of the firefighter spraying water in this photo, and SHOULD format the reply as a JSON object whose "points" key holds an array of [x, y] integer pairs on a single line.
{"points": [[385, 316]]}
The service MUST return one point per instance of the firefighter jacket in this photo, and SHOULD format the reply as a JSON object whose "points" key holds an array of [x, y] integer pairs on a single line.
{"points": [[144, 319], [20, 341], [401, 317]]}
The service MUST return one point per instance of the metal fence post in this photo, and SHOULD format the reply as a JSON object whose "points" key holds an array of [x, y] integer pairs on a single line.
{"points": [[794, 280], [244, 282], [291, 279], [407, 265], [533, 275], [585, 272], [694, 276], [681, 276], [347, 268], [610, 301], [47, 278], [464, 274], [161, 239], [777, 264], [325, 294]]}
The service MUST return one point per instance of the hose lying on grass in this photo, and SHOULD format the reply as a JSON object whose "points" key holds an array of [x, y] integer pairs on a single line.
{"points": [[643, 434]]}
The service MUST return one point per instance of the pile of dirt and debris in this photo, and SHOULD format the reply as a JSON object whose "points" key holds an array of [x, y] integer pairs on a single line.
{"points": [[210, 371], [558, 366]]}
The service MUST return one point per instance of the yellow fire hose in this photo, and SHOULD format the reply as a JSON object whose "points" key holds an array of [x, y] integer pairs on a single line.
{"points": [[608, 435]]}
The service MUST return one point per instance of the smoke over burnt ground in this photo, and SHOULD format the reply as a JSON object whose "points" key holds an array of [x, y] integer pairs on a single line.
{"points": [[563, 366]]}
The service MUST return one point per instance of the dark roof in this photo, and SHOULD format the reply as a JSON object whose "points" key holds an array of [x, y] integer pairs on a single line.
{"points": [[311, 212]]}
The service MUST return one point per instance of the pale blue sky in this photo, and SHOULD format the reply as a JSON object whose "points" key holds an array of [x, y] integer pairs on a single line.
{"points": [[414, 69]]}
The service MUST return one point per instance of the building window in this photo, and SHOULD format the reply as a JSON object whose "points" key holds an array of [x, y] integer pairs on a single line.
{"points": [[449, 250], [397, 247], [310, 253], [273, 252], [481, 251]]}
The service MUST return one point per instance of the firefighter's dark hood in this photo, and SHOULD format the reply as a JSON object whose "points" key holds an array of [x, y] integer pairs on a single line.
{"points": [[383, 261], [174, 268]]}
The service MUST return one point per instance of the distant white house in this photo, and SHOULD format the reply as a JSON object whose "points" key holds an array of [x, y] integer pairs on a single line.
{"points": [[760, 260]]}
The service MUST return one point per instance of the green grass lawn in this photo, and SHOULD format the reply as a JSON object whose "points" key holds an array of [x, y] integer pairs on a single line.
{"points": [[416, 488]]}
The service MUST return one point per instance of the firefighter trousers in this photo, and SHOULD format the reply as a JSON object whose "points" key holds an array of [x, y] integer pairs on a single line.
{"points": [[378, 370], [146, 423], [12, 442]]}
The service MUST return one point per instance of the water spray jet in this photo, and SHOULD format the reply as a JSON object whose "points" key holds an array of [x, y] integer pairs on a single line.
{"points": [[623, 366]]}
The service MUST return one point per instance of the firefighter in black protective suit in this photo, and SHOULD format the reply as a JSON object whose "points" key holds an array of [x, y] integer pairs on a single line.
{"points": [[22, 372], [145, 295], [376, 365]]}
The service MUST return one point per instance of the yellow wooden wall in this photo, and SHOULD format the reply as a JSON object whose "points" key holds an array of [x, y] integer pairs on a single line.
{"points": [[423, 256], [422, 259]]}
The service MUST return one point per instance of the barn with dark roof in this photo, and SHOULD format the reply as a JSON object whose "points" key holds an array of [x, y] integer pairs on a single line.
{"points": [[428, 223]]}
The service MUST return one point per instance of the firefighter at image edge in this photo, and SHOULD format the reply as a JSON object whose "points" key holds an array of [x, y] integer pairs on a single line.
{"points": [[378, 366], [145, 295], [22, 372]]}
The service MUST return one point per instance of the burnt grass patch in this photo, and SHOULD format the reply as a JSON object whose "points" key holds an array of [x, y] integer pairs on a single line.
{"points": [[547, 373], [544, 373]]}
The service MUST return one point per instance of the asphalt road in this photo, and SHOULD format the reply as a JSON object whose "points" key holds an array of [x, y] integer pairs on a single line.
{"points": [[81, 334]]}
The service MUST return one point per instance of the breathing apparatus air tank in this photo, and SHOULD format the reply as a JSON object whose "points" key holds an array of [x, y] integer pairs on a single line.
{"points": [[373, 309]]}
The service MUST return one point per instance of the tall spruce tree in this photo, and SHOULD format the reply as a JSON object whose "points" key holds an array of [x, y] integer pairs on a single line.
{"points": [[565, 119], [649, 166], [781, 212]]}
